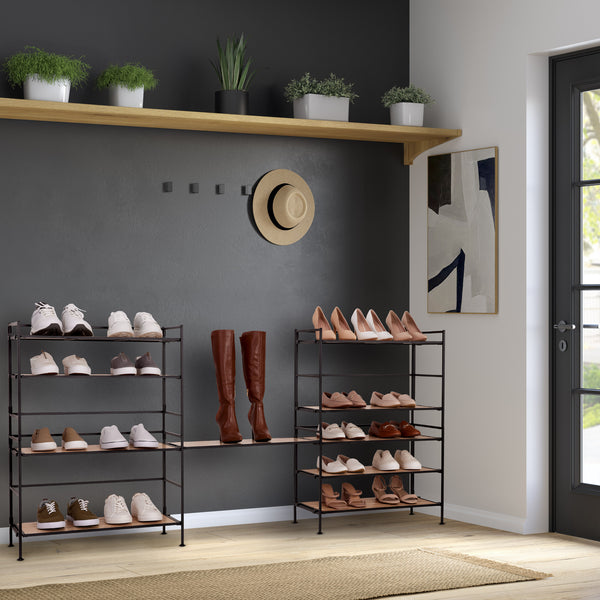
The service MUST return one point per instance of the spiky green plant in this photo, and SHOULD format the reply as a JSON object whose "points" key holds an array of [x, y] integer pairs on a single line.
{"points": [[406, 94], [47, 66], [330, 86], [130, 76], [232, 71]]}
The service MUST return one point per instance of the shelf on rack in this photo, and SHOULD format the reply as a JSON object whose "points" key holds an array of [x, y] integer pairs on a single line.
{"points": [[77, 376], [92, 338], [371, 504], [368, 471], [29, 529], [315, 408], [415, 139], [371, 438], [96, 448], [244, 442]]}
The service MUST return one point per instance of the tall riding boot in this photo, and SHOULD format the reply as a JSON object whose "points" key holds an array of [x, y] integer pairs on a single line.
{"points": [[253, 360], [223, 347]]}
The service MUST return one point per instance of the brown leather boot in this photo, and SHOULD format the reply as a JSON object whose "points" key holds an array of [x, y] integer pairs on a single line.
{"points": [[223, 347], [253, 360]]}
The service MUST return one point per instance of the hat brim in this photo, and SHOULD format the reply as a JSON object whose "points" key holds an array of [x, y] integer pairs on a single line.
{"points": [[262, 212]]}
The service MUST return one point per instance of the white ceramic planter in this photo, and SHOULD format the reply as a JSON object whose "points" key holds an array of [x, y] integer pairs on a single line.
{"points": [[121, 96], [407, 113], [35, 88], [327, 108]]}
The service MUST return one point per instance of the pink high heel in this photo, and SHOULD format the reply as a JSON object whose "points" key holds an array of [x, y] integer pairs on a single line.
{"points": [[411, 327], [340, 325], [398, 330], [320, 322]]}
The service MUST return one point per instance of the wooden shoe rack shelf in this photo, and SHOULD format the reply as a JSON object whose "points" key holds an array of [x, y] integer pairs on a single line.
{"points": [[307, 400], [166, 401]]}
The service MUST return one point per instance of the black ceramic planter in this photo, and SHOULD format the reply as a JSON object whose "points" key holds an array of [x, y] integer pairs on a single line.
{"points": [[234, 102]]}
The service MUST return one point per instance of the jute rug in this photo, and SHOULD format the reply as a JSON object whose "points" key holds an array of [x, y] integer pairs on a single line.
{"points": [[332, 578]]}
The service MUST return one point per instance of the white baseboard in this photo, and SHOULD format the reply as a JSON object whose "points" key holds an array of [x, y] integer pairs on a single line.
{"points": [[485, 518]]}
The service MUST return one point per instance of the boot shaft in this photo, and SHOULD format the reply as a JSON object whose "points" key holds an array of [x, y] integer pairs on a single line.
{"points": [[223, 348], [253, 345]]}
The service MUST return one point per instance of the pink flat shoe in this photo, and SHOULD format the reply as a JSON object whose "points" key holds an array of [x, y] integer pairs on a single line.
{"points": [[411, 327], [398, 330]]}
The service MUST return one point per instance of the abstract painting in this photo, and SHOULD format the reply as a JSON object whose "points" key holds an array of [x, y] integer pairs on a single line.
{"points": [[462, 232]]}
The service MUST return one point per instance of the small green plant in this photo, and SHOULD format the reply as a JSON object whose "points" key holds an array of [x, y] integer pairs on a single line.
{"points": [[406, 94], [130, 76], [46, 65], [330, 86], [232, 71]]}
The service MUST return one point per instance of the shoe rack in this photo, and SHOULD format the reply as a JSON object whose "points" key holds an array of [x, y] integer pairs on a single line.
{"points": [[166, 401], [308, 407]]}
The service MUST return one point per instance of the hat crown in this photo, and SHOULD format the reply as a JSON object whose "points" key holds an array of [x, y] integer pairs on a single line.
{"points": [[289, 206]]}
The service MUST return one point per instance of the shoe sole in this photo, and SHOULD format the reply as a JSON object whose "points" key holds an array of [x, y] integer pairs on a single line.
{"points": [[51, 525], [113, 445], [148, 371], [148, 334], [80, 330], [53, 329], [45, 371], [123, 371], [74, 445], [118, 521], [83, 522], [144, 444], [43, 446], [78, 370], [114, 334], [148, 519]]}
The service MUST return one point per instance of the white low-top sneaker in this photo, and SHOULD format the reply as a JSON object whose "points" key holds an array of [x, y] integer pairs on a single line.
{"points": [[76, 365], [383, 461], [73, 322], [144, 325], [406, 460], [119, 325], [110, 438], [331, 432], [328, 465], [352, 431], [353, 465], [44, 320], [143, 509], [43, 364], [116, 511], [140, 437]]}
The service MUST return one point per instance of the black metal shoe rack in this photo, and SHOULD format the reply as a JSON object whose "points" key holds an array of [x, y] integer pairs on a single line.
{"points": [[19, 452], [305, 403]]}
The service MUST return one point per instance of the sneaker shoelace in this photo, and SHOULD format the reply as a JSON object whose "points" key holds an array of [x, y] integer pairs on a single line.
{"points": [[145, 317], [45, 309], [120, 503], [83, 504], [51, 507], [149, 503], [73, 310]]}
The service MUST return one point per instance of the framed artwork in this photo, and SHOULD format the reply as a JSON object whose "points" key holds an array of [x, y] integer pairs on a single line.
{"points": [[462, 232]]}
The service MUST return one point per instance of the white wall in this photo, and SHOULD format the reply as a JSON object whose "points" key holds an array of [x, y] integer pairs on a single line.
{"points": [[486, 64]]}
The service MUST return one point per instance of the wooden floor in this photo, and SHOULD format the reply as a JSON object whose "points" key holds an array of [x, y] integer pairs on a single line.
{"points": [[574, 562]]}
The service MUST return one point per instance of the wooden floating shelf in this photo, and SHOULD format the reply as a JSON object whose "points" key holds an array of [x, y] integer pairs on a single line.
{"points": [[415, 139], [371, 504], [368, 471]]}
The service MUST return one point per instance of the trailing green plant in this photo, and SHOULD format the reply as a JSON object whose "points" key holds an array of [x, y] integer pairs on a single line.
{"points": [[130, 76], [47, 66], [233, 70], [406, 94], [330, 86]]}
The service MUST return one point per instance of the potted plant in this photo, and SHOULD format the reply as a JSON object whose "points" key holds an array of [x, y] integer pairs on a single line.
{"points": [[233, 71], [406, 104], [126, 84], [44, 75], [328, 99]]}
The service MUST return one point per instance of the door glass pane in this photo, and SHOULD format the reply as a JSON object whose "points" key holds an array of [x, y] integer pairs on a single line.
{"points": [[590, 379], [590, 238], [590, 135]]}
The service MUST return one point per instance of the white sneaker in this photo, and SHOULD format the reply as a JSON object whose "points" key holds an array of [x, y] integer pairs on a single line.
{"points": [[140, 437], [119, 325], [110, 438], [406, 460], [44, 320], [383, 461], [144, 325], [116, 511], [73, 322], [43, 364], [143, 509], [75, 365]]}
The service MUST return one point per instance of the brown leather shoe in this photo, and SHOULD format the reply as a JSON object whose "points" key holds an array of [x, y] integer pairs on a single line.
{"points": [[384, 430], [406, 429]]}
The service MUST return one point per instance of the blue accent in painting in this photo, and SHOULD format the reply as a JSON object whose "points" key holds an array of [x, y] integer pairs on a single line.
{"points": [[459, 264], [487, 179]]}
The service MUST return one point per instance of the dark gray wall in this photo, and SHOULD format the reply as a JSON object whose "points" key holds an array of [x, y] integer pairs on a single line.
{"points": [[86, 221]]}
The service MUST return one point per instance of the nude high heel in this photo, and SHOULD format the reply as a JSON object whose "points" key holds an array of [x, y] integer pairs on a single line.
{"points": [[340, 325], [330, 498], [352, 497], [397, 487], [411, 327], [361, 327], [398, 330], [377, 326], [320, 322], [379, 488]]}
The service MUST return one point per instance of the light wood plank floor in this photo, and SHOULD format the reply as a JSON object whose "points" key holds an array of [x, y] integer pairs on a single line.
{"points": [[574, 562]]}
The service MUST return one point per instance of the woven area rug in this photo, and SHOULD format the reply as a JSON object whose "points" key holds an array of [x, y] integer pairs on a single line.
{"points": [[333, 578]]}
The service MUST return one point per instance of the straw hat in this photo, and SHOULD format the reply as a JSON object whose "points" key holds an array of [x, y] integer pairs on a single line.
{"points": [[283, 207]]}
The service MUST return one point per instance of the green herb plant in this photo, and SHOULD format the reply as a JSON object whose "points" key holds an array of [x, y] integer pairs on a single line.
{"points": [[233, 70], [130, 76], [330, 86], [411, 94], [46, 65]]}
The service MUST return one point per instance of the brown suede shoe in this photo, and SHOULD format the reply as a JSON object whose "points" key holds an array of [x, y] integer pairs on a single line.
{"points": [[41, 440], [48, 515], [79, 513], [71, 440]]}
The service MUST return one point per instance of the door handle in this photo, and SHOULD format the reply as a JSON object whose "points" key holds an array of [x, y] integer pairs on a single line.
{"points": [[563, 326]]}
